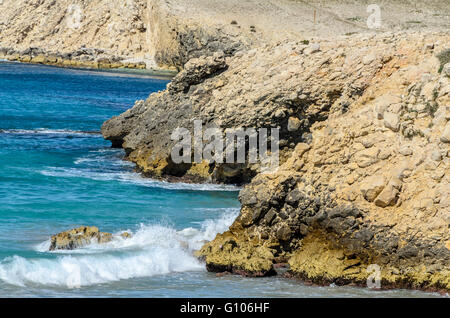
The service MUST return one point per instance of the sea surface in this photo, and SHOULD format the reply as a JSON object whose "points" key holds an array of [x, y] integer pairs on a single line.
{"points": [[57, 173]]}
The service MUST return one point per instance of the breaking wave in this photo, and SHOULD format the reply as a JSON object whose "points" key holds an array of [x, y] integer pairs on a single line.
{"points": [[132, 178], [152, 250], [108, 165]]}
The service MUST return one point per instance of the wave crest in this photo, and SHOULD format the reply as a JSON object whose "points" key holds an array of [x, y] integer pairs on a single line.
{"points": [[152, 250]]}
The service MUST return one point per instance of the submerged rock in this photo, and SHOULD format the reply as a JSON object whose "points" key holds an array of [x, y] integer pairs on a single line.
{"points": [[354, 200], [79, 237]]}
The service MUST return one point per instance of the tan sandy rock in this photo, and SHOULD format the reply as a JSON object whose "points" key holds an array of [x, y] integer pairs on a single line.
{"points": [[79, 237]]}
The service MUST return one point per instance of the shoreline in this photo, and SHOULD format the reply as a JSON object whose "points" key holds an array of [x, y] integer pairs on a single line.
{"points": [[305, 280], [363, 121], [154, 73]]}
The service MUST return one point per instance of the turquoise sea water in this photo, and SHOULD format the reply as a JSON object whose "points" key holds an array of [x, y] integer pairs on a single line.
{"points": [[56, 173]]}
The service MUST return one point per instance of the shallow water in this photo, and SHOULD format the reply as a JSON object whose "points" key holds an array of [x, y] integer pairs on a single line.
{"points": [[56, 173]]}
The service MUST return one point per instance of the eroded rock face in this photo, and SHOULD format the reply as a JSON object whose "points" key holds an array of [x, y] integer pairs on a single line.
{"points": [[103, 34], [94, 34], [275, 86], [359, 192], [79, 237]]}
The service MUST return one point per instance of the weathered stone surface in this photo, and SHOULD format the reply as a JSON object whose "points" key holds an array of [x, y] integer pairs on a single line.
{"points": [[391, 121], [313, 48], [79, 237], [234, 92], [167, 33], [387, 197], [372, 186], [75, 34], [357, 193], [446, 69], [293, 124]]}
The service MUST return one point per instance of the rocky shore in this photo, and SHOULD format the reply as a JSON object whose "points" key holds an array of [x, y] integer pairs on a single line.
{"points": [[363, 117], [165, 34], [82, 58], [80, 237], [364, 123]]}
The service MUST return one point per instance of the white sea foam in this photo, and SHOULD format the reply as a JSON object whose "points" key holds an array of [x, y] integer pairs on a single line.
{"points": [[98, 157], [75, 271], [152, 250], [131, 178], [44, 131]]}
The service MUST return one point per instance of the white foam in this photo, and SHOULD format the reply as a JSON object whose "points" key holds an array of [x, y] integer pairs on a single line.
{"points": [[130, 178], [209, 229], [152, 250]]}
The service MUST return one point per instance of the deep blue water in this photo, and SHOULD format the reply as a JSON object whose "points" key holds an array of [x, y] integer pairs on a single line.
{"points": [[56, 173]]}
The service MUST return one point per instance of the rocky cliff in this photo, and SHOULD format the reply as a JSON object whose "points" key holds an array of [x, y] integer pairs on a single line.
{"points": [[364, 123], [105, 34], [94, 34]]}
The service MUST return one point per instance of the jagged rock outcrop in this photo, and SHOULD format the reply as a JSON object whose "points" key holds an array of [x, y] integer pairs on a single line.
{"points": [[94, 34], [286, 86], [167, 33], [364, 122], [105, 34], [371, 185], [365, 159], [79, 237]]}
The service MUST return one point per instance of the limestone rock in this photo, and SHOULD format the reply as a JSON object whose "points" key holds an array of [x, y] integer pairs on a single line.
{"points": [[230, 254], [293, 124], [369, 58], [387, 197], [79, 237], [445, 137], [232, 92], [446, 69], [391, 121], [367, 157], [406, 151], [355, 193], [313, 48], [436, 155], [372, 186]]}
